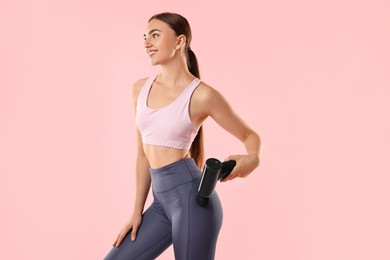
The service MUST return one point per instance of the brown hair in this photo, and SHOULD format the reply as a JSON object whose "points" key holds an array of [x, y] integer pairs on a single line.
{"points": [[180, 25]]}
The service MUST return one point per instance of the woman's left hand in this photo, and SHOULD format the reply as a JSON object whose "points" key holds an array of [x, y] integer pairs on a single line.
{"points": [[245, 164]]}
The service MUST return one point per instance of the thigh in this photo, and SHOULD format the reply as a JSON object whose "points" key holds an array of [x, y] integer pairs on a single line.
{"points": [[195, 229], [153, 237]]}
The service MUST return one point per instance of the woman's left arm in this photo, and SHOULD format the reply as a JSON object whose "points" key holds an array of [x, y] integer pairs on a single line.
{"points": [[220, 110]]}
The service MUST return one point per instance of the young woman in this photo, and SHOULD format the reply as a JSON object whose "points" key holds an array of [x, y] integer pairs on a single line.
{"points": [[169, 109]]}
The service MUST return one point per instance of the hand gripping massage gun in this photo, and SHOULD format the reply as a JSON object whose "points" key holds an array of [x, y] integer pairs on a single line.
{"points": [[213, 171]]}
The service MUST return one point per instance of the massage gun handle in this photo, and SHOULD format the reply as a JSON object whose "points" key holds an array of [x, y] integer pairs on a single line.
{"points": [[226, 169]]}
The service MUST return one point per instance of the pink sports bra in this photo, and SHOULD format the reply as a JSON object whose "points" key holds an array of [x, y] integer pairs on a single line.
{"points": [[168, 126]]}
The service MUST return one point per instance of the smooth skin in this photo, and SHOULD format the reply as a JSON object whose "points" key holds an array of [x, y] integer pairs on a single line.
{"points": [[205, 102]]}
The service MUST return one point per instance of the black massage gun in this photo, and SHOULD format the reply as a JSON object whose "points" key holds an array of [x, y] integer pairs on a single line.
{"points": [[213, 171]]}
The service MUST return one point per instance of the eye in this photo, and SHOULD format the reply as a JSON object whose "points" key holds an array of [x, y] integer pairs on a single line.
{"points": [[154, 34]]}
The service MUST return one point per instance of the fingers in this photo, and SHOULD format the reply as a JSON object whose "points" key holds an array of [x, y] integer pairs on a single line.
{"points": [[116, 241], [134, 233], [131, 226], [236, 172], [231, 176], [120, 237], [231, 157]]}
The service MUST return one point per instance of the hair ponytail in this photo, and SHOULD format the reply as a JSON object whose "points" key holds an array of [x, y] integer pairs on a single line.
{"points": [[197, 149], [192, 63], [180, 25]]}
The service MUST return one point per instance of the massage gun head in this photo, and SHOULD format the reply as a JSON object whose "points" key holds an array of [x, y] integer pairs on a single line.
{"points": [[202, 201]]}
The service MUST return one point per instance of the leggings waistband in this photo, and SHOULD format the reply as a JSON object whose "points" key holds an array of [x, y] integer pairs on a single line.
{"points": [[174, 174]]}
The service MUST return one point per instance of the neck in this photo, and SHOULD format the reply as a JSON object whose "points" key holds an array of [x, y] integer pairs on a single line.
{"points": [[175, 72]]}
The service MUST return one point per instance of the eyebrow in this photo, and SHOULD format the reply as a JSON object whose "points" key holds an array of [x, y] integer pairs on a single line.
{"points": [[152, 31]]}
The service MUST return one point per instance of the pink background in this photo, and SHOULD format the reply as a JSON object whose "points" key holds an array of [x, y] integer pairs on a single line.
{"points": [[311, 78]]}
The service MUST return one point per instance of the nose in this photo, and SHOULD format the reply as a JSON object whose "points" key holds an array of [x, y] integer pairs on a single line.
{"points": [[147, 43]]}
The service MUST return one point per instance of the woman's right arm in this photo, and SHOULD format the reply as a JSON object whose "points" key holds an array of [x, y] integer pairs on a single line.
{"points": [[142, 180]]}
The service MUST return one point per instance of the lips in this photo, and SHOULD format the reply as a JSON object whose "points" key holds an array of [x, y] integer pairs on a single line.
{"points": [[151, 52]]}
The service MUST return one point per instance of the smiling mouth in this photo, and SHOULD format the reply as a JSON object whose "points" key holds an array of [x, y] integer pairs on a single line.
{"points": [[151, 53]]}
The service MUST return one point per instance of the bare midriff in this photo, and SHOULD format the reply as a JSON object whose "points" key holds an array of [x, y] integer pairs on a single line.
{"points": [[159, 156]]}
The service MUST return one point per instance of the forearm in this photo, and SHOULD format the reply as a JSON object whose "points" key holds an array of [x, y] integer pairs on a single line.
{"points": [[142, 183]]}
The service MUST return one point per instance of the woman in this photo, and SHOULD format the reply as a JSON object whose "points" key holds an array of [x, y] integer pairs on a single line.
{"points": [[170, 108]]}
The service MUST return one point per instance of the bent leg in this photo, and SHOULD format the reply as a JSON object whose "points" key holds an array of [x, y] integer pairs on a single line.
{"points": [[153, 237]]}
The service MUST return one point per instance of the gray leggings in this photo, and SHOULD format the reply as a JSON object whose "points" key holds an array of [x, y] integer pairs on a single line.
{"points": [[175, 217]]}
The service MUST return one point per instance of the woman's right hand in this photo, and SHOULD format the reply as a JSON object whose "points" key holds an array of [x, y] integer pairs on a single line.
{"points": [[133, 223]]}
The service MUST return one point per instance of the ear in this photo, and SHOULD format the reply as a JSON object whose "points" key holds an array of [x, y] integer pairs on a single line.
{"points": [[181, 41]]}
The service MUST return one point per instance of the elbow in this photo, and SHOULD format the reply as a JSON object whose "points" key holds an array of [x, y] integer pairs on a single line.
{"points": [[252, 136], [253, 142]]}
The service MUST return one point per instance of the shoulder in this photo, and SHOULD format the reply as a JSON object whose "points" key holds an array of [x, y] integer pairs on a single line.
{"points": [[206, 97], [206, 93], [137, 85], [136, 88]]}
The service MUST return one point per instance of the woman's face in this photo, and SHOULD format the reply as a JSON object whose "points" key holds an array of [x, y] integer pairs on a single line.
{"points": [[161, 42]]}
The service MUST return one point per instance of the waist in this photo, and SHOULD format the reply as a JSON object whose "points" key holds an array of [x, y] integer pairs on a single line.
{"points": [[159, 156], [174, 174]]}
